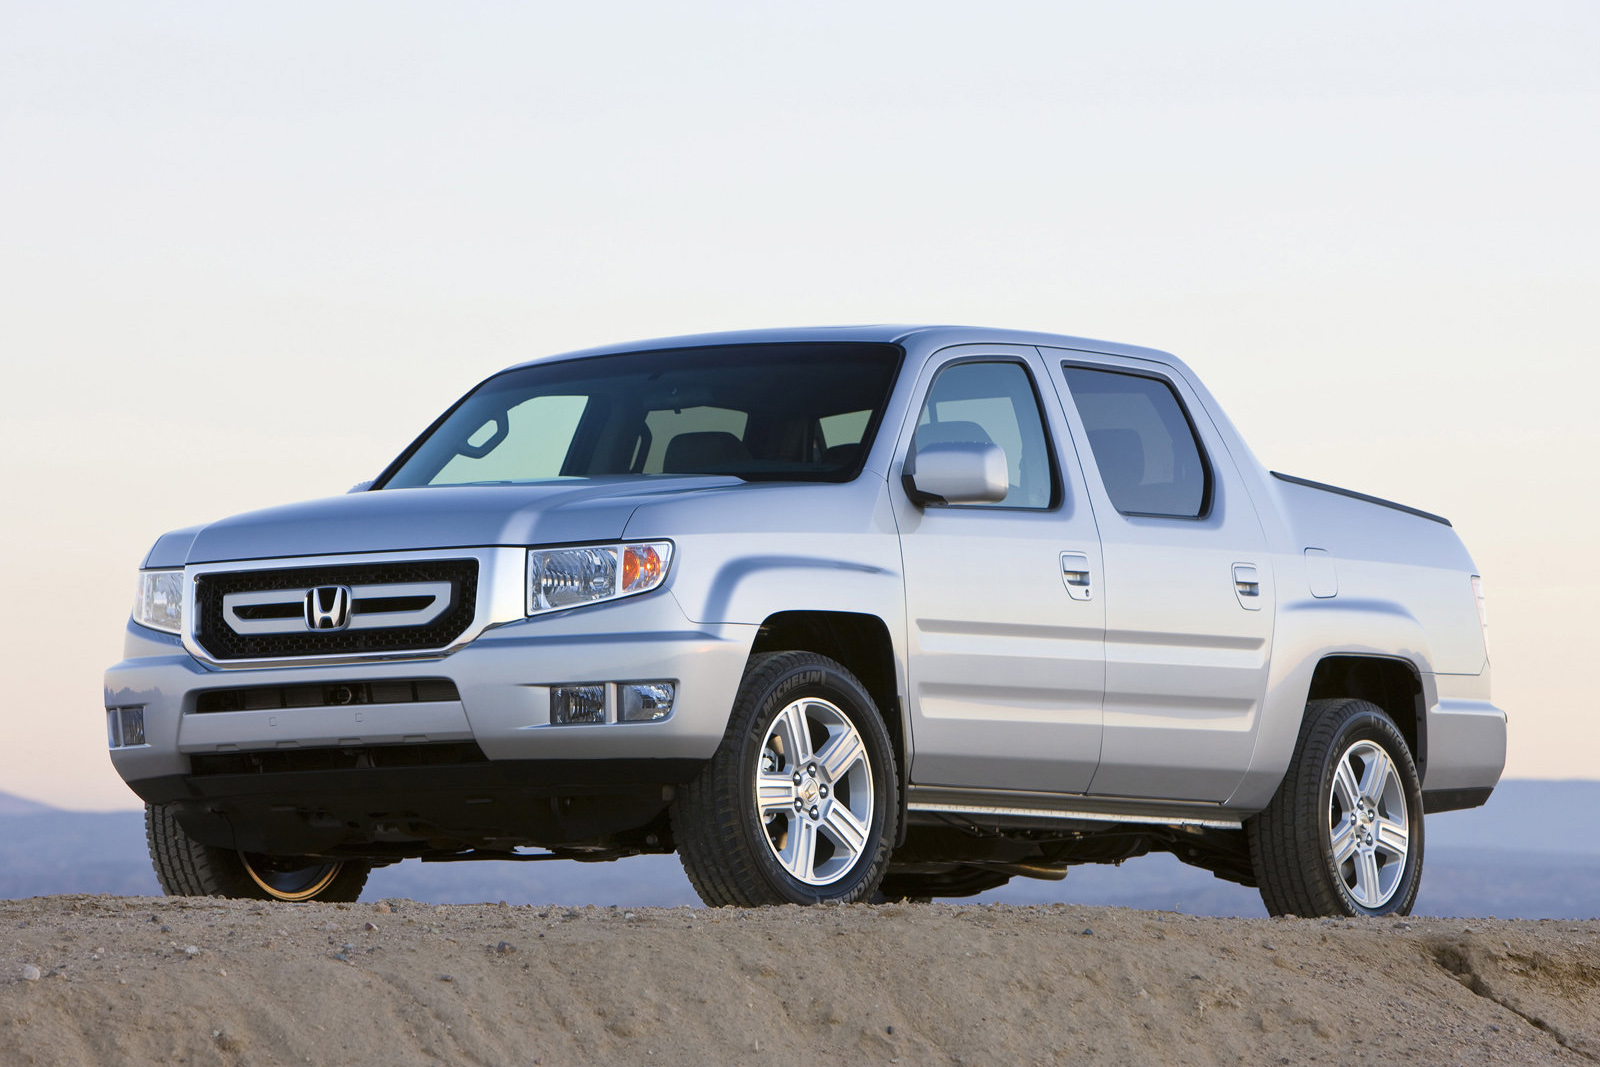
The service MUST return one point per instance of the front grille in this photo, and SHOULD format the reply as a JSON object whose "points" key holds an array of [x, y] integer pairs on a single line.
{"points": [[289, 760], [223, 643], [326, 695]]}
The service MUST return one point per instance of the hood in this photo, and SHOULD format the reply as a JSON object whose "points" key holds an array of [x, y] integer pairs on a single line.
{"points": [[397, 520]]}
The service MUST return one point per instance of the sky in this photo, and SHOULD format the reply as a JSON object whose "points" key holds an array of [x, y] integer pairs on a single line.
{"points": [[247, 252]]}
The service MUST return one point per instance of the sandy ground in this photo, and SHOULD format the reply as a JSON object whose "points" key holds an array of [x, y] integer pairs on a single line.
{"points": [[110, 980]]}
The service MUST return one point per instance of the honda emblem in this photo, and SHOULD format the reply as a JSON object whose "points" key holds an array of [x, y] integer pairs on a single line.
{"points": [[328, 607]]}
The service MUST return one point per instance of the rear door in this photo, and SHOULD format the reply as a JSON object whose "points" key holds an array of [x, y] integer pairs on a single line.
{"points": [[1005, 622], [1188, 587]]}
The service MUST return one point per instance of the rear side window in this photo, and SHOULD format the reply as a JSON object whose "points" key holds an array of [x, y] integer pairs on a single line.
{"points": [[1149, 458]]}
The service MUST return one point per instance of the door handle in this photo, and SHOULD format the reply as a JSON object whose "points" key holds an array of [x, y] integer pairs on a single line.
{"points": [[1075, 575], [1247, 586]]}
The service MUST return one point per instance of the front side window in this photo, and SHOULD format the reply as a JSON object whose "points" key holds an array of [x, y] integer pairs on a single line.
{"points": [[1149, 458], [800, 412], [993, 403]]}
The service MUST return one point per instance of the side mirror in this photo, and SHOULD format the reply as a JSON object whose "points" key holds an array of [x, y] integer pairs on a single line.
{"points": [[957, 472]]}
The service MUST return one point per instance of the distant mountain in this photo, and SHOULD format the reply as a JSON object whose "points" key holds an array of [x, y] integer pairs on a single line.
{"points": [[13, 805], [1530, 853]]}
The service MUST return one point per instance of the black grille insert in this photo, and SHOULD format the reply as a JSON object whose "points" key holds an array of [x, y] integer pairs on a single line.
{"points": [[289, 760], [222, 643], [326, 695]]}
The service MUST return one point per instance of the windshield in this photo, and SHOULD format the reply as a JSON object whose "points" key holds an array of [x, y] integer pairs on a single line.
{"points": [[791, 412]]}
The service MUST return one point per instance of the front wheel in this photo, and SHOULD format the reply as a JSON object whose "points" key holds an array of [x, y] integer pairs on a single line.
{"points": [[1343, 836], [798, 804], [187, 868]]}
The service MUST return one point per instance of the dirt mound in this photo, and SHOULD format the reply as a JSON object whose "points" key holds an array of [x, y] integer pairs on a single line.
{"points": [[107, 980]]}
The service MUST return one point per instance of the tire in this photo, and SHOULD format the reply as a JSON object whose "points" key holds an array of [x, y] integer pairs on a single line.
{"points": [[1344, 835], [799, 803], [186, 868]]}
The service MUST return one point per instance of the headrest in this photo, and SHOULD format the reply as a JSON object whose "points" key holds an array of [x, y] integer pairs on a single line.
{"points": [[703, 450]]}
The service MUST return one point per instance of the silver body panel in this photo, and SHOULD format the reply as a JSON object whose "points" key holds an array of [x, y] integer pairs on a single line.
{"points": [[1071, 660]]}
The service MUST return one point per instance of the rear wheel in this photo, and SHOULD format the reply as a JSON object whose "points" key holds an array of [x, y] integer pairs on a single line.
{"points": [[797, 806], [186, 868], [1343, 835]]}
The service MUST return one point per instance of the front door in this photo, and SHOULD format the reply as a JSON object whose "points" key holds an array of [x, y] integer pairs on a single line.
{"points": [[1003, 609]]}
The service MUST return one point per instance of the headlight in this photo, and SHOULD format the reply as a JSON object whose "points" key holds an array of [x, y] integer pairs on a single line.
{"points": [[159, 602], [568, 577]]}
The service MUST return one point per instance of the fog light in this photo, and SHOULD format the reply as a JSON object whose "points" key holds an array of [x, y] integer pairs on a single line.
{"points": [[132, 727], [577, 704], [645, 701], [125, 727]]}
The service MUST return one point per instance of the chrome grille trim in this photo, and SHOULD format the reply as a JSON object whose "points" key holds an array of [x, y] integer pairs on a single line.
{"points": [[439, 592]]}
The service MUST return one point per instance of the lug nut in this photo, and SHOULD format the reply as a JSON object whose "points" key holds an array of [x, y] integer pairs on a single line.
{"points": [[813, 812], [798, 804], [823, 791]]}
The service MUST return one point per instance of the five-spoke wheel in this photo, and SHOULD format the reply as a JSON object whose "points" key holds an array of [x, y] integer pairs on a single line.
{"points": [[798, 804], [814, 791], [293, 878], [1343, 834], [1369, 824]]}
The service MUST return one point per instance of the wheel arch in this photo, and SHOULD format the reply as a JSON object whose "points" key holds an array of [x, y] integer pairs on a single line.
{"points": [[1392, 683], [861, 644]]}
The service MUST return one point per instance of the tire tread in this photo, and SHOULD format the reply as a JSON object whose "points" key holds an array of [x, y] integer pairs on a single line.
{"points": [[186, 868]]}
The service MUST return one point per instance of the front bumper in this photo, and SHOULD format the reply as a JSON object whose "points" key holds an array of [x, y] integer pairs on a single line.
{"points": [[235, 776]]}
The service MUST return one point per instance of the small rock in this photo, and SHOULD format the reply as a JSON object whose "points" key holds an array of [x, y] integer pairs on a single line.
{"points": [[505, 948], [191, 951], [30, 973], [889, 1030], [627, 915], [382, 909], [330, 926], [446, 978], [1494, 1028], [166, 929], [1088, 931], [371, 928]]}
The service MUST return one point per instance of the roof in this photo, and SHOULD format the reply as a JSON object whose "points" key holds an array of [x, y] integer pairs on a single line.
{"points": [[883, 333]]}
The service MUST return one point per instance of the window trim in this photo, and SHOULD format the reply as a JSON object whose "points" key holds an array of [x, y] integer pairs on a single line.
{"points": [[1208, 490], [1058, 493]]}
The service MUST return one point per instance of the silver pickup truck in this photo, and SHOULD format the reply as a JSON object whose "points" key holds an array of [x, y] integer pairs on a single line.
{"points": [[836, 615]]}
